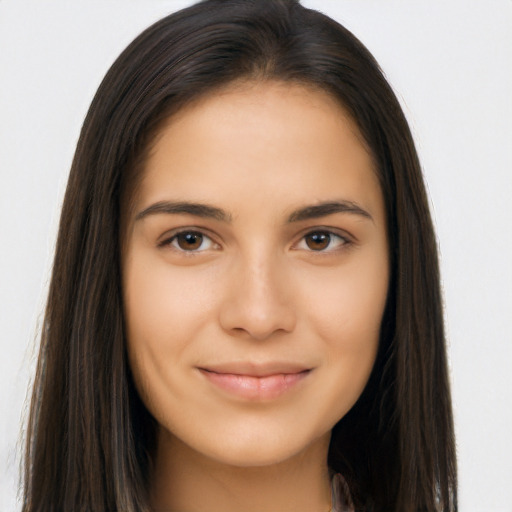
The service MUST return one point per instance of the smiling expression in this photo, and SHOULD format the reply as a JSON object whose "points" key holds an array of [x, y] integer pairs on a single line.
{"points": [[255, 272]]}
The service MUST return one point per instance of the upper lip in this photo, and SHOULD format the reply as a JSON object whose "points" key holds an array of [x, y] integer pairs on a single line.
{"points": [[256, 369]]}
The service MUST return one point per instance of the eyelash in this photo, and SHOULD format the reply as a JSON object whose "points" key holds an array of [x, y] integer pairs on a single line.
{"points": [[169, 242], [343, 241]]}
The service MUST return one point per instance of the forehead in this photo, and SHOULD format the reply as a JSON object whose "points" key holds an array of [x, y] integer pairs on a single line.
{"points": [[266, 142]]}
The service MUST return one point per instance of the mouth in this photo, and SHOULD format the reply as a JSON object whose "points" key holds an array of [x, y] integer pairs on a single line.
{"points": [[256, 383]]}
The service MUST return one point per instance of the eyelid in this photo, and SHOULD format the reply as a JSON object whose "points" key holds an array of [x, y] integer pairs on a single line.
{"points": [[348, 240], [165, 241]]}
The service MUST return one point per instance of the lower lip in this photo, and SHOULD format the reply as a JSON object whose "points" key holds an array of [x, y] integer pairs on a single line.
{"points": [[256, 388]]}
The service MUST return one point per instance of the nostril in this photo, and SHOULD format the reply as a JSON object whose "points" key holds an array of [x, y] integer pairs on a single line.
{"points": [[257, 323]]}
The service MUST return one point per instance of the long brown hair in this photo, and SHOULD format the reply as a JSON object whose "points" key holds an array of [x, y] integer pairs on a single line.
{"points": [[89, 439]]}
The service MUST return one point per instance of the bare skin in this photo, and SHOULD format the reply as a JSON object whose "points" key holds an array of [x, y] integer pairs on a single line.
{"points": [[255, 277], [277, 487]]}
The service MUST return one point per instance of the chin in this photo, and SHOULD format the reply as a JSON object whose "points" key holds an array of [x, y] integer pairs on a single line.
{"points": [[264, 450], [251, 457]]}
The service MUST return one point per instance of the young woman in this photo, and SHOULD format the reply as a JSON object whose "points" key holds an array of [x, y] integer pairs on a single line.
{"points": [[245, 310]]}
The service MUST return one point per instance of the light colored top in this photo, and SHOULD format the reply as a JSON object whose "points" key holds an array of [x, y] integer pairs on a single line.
{"points": [[341, 499]]}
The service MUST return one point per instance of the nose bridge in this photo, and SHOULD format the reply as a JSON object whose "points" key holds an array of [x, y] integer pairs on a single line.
{"points": [[259, 301]]}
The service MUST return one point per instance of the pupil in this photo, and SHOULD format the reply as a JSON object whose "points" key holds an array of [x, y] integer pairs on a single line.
{"points": [[318, 241], [189, 241]]}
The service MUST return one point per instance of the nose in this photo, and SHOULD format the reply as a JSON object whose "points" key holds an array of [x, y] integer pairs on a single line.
{"points": [[258, 301]]}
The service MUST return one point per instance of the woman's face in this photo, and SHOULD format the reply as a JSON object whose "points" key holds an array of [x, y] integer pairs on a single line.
{"points": [[255, 273]]}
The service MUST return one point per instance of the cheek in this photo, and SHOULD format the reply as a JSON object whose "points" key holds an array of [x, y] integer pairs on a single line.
{"points": [[164, 311], [346, 316], [350, 303], [163, 304]]}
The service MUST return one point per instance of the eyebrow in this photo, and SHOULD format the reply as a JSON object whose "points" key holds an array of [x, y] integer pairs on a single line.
{"points": [[328, 208], [212, 212], [196, 209]]}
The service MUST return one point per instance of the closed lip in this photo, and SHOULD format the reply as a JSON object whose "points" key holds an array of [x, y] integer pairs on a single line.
{"points": [[255, 382], [251, 369]]}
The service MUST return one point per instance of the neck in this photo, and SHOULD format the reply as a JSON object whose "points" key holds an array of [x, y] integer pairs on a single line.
{"points": [[187, 481]]}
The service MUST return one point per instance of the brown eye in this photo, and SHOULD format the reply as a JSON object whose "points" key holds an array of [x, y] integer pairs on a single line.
{"points": [[189, 240], [318, 241]]}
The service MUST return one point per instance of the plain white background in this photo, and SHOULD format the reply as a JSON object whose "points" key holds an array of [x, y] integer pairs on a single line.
{"points": [[450, 64]]}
